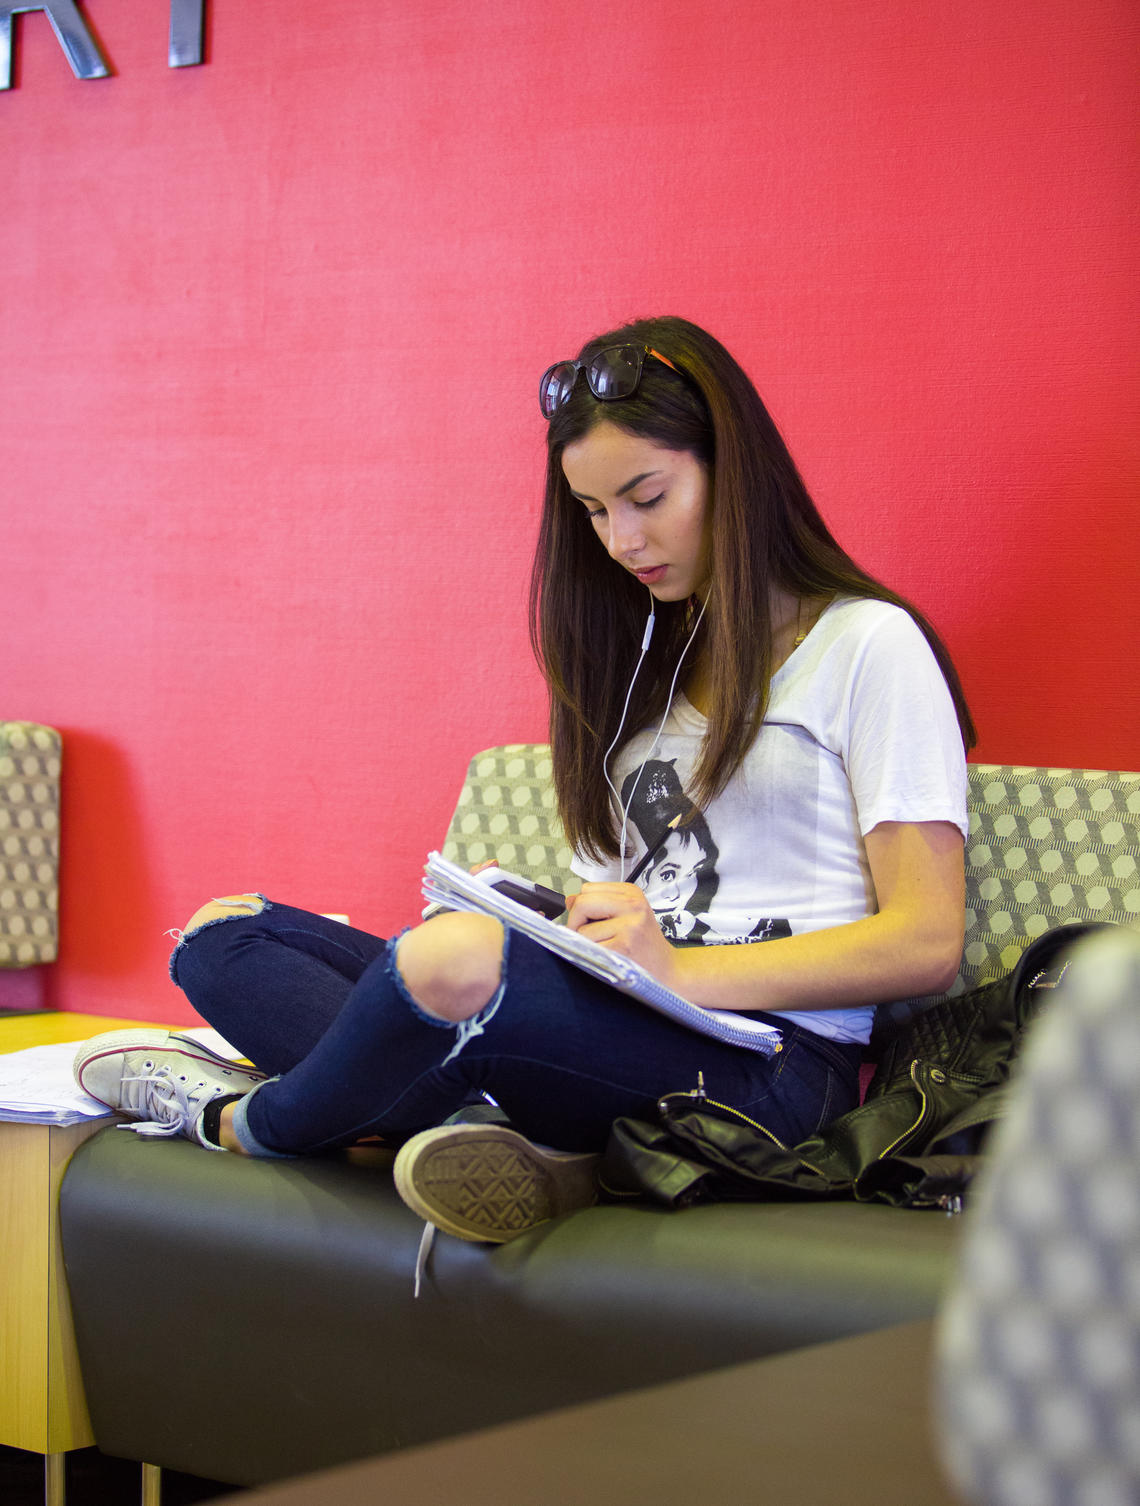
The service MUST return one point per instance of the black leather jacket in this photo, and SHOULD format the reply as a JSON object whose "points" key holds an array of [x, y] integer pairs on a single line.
{"points": [[915, 1141]]}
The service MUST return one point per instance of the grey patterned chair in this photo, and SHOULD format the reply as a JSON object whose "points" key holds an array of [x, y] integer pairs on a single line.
{"points": [[1038, 1358], [29, 844], [197, 1278]]}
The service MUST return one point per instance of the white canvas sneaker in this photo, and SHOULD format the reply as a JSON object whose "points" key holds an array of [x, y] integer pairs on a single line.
{"points": [[162, 1079]]}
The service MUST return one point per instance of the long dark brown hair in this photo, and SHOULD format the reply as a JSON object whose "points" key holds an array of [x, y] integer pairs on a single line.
{"points": [[588, 613]]}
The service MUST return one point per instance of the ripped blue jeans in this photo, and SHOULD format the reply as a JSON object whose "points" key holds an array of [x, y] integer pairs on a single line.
{"points": [[322, 1006]]}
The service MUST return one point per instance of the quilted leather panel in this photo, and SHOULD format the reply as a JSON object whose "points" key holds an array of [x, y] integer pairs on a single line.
{"points": [[29, 843], [937, 1033]]}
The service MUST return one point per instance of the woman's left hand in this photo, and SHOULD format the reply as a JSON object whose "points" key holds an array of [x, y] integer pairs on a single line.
{"points": [[619, 916]]}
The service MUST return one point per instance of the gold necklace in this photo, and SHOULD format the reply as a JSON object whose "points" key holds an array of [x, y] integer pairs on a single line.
{"points": [[801, 631], [804, 628]]}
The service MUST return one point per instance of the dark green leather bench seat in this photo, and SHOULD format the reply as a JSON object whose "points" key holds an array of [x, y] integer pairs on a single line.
{"points": [[248, 1320]]}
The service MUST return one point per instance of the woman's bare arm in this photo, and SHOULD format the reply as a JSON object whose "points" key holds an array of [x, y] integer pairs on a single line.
{"points": [[912, 945]]}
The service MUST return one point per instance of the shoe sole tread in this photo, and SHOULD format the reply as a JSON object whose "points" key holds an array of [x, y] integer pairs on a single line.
{"points": [[490, 1184]]}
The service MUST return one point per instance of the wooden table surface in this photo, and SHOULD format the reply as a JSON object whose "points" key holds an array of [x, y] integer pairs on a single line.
{"points": [[22, 1030]]}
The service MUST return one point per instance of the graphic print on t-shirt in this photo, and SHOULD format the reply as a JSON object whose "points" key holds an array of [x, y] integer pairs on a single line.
{"points": [[681, 881]]}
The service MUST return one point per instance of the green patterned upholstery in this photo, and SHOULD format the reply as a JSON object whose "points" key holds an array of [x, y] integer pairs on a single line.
{"points": [[29, 843], [506, 812], [1046, 847]]}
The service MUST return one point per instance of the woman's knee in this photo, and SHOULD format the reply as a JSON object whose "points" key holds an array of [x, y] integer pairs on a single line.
{"points": [[229, 906], [452, 965]]}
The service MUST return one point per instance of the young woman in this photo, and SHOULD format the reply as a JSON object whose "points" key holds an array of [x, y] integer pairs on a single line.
{"points": [[806, 720]]}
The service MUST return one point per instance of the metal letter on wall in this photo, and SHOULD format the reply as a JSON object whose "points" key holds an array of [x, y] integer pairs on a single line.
{"points": [[79, 46], [186, 32]]}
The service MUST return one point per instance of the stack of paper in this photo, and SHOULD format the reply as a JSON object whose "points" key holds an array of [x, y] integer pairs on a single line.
{"points": [[37, 1087]]}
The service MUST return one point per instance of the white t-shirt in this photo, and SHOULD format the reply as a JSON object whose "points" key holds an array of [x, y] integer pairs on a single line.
{"points": [[860, 728]]}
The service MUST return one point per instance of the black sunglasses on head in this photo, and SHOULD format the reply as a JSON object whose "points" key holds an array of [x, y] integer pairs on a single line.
{"points": [[612, 373]]}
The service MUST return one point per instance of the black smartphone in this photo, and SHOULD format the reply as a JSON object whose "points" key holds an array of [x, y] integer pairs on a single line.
{"points": [[547, 902]]}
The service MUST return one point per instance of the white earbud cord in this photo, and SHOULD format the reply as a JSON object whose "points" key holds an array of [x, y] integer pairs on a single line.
{"points": [[660, 730], [645, 639]]}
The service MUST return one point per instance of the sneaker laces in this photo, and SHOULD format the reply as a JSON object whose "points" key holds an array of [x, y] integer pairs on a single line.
{"points": [[427, 1240], [162, 1108]]}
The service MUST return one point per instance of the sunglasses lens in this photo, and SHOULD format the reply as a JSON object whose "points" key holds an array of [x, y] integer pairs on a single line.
{"points": [[615, 372], [556, 386]]}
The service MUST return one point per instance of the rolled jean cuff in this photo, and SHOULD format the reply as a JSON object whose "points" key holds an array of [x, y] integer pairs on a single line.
{"points": [[245, 1136]]}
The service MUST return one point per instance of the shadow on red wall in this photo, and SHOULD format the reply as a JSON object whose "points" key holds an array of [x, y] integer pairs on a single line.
{"points": [[106, 903]]}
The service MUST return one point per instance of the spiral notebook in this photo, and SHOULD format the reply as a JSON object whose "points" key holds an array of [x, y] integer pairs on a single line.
{"points": [[447, 884]]}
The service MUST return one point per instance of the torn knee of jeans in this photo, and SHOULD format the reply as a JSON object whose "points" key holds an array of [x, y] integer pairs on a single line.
{"points": [[466, 1029], [239, 907], [396, 978]]}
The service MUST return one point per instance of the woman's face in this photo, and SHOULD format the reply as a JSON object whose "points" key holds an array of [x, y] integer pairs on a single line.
{"points": [[649, 507], [673, 877]]}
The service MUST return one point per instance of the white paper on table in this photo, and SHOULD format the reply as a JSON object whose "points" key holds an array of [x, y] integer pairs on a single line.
{"points": [[37, 1086]]}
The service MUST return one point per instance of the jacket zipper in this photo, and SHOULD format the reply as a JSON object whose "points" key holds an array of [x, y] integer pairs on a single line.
{"points": [[898, 1140], [702, 1097]]}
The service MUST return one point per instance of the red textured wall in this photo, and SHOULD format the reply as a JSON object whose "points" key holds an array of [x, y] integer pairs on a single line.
{"points": [[272, 329]]}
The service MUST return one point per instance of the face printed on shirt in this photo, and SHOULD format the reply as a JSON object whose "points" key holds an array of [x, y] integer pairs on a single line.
{"points": [[681, 882], [671, 879]]}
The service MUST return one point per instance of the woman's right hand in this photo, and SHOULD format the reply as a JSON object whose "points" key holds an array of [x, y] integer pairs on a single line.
{"points": [[619, 916]]}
